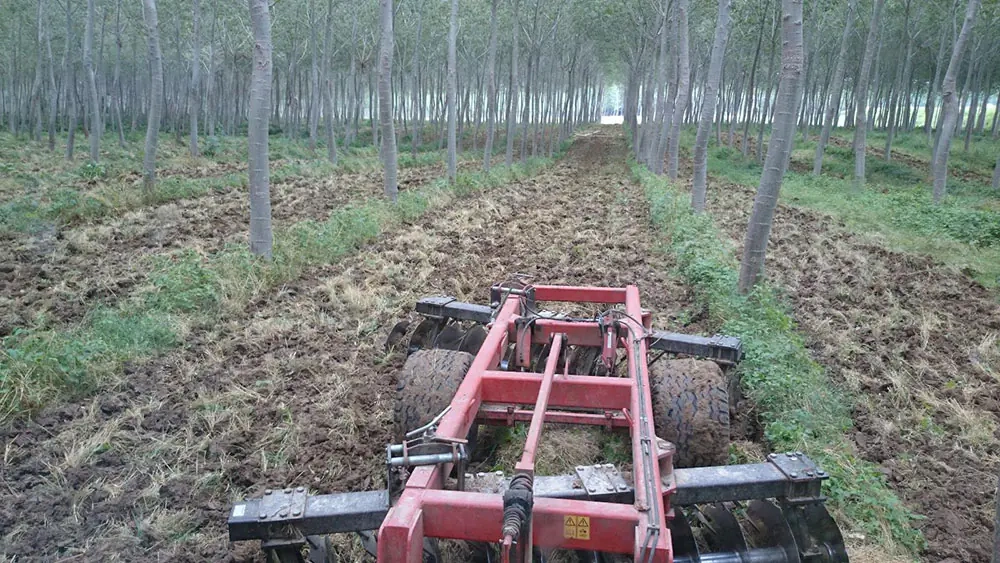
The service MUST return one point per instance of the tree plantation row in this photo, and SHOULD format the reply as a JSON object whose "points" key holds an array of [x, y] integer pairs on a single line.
{"points": [[429, 73]]}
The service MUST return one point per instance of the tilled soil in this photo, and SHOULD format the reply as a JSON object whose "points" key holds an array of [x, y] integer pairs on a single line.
{"points": [[63, 272], [916, 343], [300, 389]]}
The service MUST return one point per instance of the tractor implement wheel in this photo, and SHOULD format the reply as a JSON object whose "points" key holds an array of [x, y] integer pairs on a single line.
{"points": [[691, 409], [427, 383]]}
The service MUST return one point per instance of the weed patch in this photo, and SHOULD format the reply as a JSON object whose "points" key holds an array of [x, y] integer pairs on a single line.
{"points": [[38, 365]]}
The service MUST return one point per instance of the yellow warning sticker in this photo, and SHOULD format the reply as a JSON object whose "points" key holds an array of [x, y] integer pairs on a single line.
{"points": [[576, 527]]}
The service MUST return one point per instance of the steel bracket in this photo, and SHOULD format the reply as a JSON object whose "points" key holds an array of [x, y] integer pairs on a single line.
{"points": [[804, 478], [601, 479], [282, 504]]}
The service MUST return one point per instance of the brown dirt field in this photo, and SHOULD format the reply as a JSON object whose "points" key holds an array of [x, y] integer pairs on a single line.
{"points": [[299, 388], [916, 344], [62, 273]]}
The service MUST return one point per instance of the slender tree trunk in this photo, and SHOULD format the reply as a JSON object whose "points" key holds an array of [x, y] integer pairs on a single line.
{"points": [[753, 79], [155, 96], [680, 105], [905, 80], [69, 78], [526, 110], [861, 117], [759, 227], [353, 80], [95, 101], [973, 108], [418, 110], [210, 83], [36, 85], [452, 92], [654, 156], [385, 101], [950, 110], [116, 87], [767, 93], [331, 134], [514, 90], [981, 120], [933, 94], [996, 119], [261, 237], [648, 128], [711, 96], [53, 93], [179, 97], [966, 89], [836, 89], [314, 97], [491, 88], [194, 98]]}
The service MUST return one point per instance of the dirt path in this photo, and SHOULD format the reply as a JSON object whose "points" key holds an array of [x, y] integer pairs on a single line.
{"points": [[63, 273], [916, 343], [300, 390]]}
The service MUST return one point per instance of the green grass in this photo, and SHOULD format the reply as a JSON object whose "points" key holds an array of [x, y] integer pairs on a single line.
{"points": [[39, 189], [186, 289], [798, 405], [895, 207], [38, 365]]}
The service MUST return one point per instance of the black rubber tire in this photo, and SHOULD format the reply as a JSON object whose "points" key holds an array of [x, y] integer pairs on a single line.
{"points": [[427, 384], [691, 409]]}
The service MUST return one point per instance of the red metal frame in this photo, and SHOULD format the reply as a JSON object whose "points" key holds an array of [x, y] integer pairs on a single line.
{"points": [[488, 395]]}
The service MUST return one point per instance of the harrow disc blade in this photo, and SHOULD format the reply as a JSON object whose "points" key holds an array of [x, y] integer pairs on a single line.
{"points": [[473, 340], [423, 336], [396, 335], [682, 538], [722, 531], [450, 337], [772, 529], [825, 533]]}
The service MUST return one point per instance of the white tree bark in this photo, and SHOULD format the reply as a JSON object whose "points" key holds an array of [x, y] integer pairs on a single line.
{"points": [[949, 117], [53, 93], [417, 98], [681, 100], [95, 101], [116, 83], [36, 85], [491, 88], [452, 92], [155, 95], [654, 154], [389, 157], [69, 78], [515, 87], [210, 84], [933, 93], [194, 94], [314, 97], [261, 237], [331, 134], [711, 97], [759, 227], [861, 91]]}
